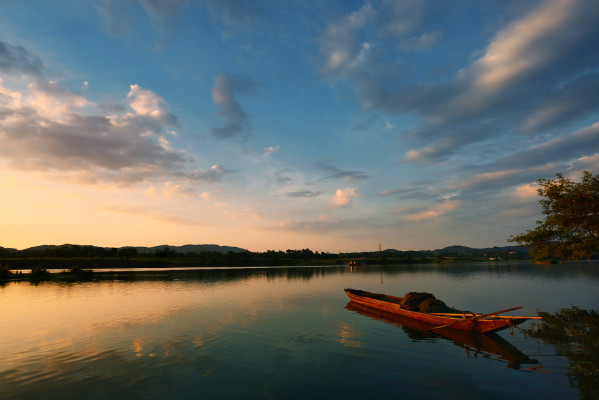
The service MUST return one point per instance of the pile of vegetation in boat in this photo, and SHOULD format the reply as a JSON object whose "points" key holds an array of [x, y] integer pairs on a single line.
{"points": [[425, 302], [413, 301]]}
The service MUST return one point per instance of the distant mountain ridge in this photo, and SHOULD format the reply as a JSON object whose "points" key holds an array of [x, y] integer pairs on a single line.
{"points": [[198, 248], [467, 251], [456, 249], [188, 248]]}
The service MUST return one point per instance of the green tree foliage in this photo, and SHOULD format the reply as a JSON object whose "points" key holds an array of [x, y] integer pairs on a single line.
{"points": [[570, 230], [574, 332]]}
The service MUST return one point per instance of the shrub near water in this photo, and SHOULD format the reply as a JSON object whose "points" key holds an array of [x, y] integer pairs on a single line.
{"points": [[80, 273], [5, 272], [39, 274]]}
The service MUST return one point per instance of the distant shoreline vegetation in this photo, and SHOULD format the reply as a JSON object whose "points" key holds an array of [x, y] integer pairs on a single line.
{"points": [[78, 261], [70, 256]]}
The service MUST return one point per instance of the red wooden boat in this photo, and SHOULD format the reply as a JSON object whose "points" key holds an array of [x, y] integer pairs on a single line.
{"points": [[465, 321], [488, 345]]}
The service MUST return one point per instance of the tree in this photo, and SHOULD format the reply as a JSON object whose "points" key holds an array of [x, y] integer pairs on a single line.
{"points": [[570, 230]]}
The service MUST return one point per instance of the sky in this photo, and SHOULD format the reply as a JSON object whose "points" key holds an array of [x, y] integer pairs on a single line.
{"points": [[330, 125]]}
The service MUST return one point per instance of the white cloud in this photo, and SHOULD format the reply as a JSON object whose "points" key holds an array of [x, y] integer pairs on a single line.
{"points": [[53, 100], [343, 197], [47, 128], [269, 150], [145, 102]]}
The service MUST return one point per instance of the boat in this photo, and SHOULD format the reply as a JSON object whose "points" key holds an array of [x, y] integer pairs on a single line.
{"points": [[463, 321], [356, 263], [475, 344]]}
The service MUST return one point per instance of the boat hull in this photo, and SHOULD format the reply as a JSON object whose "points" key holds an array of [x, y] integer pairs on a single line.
{"points": [[481, 325]]}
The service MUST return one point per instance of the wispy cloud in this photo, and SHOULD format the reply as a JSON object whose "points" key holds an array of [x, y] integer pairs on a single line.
{"points": [[16, 59], [270, 150], [120, 17], [216, 173], [530, 76], [235, 16], [336, 173], [318, 226], [304, 194], [435, 210], [152, 214], [236, 120]]}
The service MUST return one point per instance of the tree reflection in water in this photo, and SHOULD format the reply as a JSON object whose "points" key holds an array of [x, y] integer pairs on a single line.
{"points": [[575, 334]]}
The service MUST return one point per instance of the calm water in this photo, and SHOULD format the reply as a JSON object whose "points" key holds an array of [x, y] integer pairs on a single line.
{"points": [[280, 333]]}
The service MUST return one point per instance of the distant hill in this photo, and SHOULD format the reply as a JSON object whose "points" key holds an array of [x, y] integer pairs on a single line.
{"points": [[455, 250], [191, 248], [188, 248], [470, 251], [7, 250]]}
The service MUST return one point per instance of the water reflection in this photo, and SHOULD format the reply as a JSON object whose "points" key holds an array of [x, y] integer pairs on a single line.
{"points": [[464, 270], [476, 345], [273, 332], [109, 374], [217, 275], [575, 333]]}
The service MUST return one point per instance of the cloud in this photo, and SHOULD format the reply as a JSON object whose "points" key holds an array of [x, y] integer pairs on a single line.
{"points": [[421, 42], [121, 16], [237, 15], [537, 72], [322, 225], [413, 192], [367, 124], [436, 210], [565, 148], [562, 153], [304, 194], [155, 215], [172, 189], [16, 59], [47, 128], [53, 100], [216, 173], [117, 16], [340, 45], [527, 191], [270, 150], [343, 197], [144, 101], [281, 177], [224, 91], [336, 173]]}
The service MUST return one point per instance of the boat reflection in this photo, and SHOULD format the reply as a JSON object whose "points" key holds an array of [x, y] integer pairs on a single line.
{"points": [[476, 345]]}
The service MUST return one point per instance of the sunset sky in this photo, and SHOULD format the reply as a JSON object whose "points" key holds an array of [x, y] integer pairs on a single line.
{"points": [[329, 125]]}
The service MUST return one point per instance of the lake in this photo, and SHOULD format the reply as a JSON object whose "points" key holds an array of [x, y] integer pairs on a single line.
{"points": [[281, 333]]}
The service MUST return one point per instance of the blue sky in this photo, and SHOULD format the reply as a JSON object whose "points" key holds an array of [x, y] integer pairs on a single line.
{"points": [[333, 125]]}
